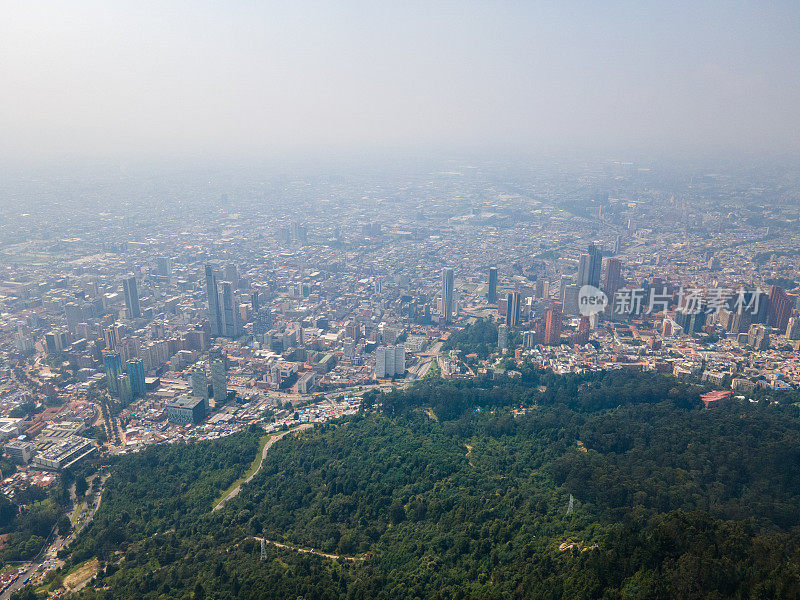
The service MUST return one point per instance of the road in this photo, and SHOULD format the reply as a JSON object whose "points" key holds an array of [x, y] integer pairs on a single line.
{"points": [[235, 491], [47, 558]]}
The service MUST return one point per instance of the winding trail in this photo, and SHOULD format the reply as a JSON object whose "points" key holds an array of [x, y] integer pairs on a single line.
{"points": [[235, 491], [312, 551]]}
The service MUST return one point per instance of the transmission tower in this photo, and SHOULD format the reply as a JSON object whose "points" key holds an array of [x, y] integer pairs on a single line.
{"points": [[263, 549], [571, 506]]}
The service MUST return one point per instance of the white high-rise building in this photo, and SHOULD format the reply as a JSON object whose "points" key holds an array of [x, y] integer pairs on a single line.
{"points": [[529, 339], [390, 361], [399, 359], [502, 336], [380, 362]]}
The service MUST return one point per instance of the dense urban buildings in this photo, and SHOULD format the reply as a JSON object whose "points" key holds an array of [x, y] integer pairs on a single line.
{"points": [[238, 312]]}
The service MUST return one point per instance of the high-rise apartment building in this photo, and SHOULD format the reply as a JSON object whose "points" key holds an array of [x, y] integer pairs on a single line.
{"points": [[219, 382], [758, 337], [164, 266], [502, 336], [199, 382], [793, 328], [570, 304], [390, 361], [780, 308], [552, 327], [73, 313]]}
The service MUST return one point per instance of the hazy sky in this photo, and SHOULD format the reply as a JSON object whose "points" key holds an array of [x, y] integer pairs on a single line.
{"points": [[87, 79]]}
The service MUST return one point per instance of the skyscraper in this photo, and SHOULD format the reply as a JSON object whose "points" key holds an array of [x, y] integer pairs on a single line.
{"points": [[691, 321], [135, 369], [380, 362], [199, 383], [390, 361], [232, 275], [793, 328], [74, 315], [399, 359], [164, 266], [552, 327], [231, 323], [569, 302], [565, 281], [612, 277], [589, 267], [131, 297], [113, 365], [219, 382], [758, 337], [110, 337], [447, 294], [212, 295], [491, 296], [502, 336], [780, 308], [595, 263], [262, 322], [513, 309], [583, 270], [125, 391]]}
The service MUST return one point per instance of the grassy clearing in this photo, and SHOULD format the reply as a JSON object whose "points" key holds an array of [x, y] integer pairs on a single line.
{"points": [[81, 573], [434, 371], [73, 518]]}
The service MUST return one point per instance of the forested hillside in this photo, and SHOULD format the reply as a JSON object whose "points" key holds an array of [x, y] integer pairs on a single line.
{"points": [[469, 500]]}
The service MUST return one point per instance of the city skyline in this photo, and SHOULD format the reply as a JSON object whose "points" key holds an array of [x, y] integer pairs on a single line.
{"points": [[399, 300]]}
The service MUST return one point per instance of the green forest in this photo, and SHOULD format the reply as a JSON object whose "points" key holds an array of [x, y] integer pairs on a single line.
{"points": [[35, 513], [462, 490]]}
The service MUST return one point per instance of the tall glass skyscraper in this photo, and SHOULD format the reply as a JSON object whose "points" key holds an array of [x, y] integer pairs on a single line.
{"points": [[113, 365], [447, 294], [212, 294], [230, 316], [131, 297], [135, 369], [589, 267], [491, 296]]}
